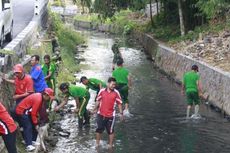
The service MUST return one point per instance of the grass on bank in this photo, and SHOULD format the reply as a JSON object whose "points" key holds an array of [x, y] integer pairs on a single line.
{"points": [[126, 21], [58, 3], [171, 32], [87, 18], [68, 40], [120, 20]]}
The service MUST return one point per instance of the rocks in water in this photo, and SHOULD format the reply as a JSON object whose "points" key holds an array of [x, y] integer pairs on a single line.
{"points": [[64, 134], [52, 140], [207, 39], [83, 46], [219, 42], [226, 34]]}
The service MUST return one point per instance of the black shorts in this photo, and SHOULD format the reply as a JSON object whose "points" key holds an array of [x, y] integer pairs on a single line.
{"points": [[105, 123]]}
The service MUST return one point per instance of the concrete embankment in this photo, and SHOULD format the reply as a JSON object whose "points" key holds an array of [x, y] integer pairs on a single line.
{"points": [[18, 49], [216, 83]]}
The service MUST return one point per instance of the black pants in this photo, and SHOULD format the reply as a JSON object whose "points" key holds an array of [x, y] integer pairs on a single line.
{"points": [[105, 123], [10, 142]]}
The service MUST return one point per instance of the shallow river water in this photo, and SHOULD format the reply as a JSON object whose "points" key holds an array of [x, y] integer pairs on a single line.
{"points": [[158, 124]]}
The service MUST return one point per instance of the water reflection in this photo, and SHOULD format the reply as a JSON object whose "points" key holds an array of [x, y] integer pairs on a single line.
{"points": [[158, 124]]}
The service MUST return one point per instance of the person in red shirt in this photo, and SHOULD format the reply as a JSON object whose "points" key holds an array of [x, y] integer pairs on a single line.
{"points": [[27, 111], [8, 130], [23, 83], [107, 99]]}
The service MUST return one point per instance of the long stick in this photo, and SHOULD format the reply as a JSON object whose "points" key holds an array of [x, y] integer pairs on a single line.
{"points": [[41, 141]]}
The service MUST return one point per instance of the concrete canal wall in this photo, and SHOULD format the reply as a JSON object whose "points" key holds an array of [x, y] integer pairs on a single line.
{"points": [[216, 83]]}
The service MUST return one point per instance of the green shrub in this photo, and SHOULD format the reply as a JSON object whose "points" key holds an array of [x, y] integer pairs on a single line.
{"points": [[68, 40]]}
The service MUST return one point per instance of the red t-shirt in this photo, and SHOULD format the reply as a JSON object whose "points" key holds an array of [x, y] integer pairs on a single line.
{"points": [[7, 124], [30, 105], [24, 85], [108, 101]]}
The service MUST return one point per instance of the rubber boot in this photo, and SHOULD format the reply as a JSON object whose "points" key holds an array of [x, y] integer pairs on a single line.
{"points": [[80, 123], [187, 112], [87, 119], [197, 110]]}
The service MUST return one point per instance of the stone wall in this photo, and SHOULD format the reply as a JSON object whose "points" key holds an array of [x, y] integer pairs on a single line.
{"points": [[216, 83], [18, 47], [95, 26]]}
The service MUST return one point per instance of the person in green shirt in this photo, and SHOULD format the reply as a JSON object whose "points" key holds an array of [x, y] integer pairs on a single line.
{"points": [[93, 84], [81, 96], [48, 69], [191, 85], [116, 54], [123, 80]]}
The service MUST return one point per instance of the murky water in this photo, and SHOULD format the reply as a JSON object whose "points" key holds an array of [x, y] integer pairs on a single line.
{"points": [[158, 124]]}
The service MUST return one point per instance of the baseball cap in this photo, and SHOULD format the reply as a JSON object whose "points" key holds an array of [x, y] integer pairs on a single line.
{"points": [[18, 68], [49, 92]]}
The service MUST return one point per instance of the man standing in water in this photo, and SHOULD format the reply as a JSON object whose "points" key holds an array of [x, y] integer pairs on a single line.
{"points": [[191, 84], [123, 80], [116, 54], [105, 108]]}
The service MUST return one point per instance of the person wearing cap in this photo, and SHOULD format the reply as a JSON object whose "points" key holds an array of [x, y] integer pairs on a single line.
{"points": [[123, 85], [27, 112], [81, 96], [191, 85], [116, 54], [23, 83], [48, 69], [8, 130], [93, 84], [105, 109], [37, 74]]}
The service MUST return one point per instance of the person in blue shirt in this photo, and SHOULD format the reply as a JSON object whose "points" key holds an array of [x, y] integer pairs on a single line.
{"points": [[37, 74], [39, 85]]}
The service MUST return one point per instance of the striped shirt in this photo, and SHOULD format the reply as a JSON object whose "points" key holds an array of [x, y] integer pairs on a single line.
{"points": [[7, 124], [108, 100]]}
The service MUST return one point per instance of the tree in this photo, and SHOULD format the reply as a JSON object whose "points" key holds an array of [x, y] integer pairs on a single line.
{"points": [[151, 12], [182, 27], [214, 8]]}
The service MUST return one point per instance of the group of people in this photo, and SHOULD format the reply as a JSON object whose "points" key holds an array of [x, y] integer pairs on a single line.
{"points": [[115, 92], [33, 92]]}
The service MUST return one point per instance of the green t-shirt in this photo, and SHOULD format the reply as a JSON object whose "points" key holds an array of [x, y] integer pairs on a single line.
{"points": [[190, 81], [75, 91], [94, 84], [46, 69], [121, 75]]}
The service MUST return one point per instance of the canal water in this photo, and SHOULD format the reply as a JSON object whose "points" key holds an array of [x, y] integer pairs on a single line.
{"points": [[158, 124]]}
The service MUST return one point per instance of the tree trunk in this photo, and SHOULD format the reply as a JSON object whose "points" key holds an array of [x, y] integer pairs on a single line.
{"points": [[182, 27], [151, 15], [157, 9]]}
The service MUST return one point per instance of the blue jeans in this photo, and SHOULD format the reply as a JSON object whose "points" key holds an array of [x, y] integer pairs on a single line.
{"points": [[29, 131]]}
